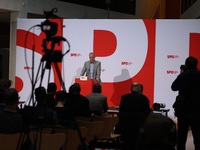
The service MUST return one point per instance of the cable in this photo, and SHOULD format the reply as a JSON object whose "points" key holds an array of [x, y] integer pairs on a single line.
{"points": [[50, 55], [26, 62]]}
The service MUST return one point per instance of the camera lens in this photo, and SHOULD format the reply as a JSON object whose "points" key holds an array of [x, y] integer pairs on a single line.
{"points": [[158, 106]]}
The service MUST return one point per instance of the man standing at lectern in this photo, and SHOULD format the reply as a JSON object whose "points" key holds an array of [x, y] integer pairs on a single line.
{"points": [[92, 68]]}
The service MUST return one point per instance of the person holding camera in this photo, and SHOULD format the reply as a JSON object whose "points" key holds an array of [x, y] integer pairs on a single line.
{"points": [[187, 103]]}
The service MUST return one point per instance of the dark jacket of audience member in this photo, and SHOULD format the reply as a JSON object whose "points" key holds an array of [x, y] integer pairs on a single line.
{"points": [[133, 109], [64, 116], [97, 101], [11, 120], [134, 102], [77, 103], [42, 113]]}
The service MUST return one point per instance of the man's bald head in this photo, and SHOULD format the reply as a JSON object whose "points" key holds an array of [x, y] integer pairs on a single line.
{"points": [[135, 86]]}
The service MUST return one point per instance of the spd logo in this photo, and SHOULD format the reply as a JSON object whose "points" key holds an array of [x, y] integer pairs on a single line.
{"points": [[75, 54], [172, 72], [126, 63], [172, 56]]}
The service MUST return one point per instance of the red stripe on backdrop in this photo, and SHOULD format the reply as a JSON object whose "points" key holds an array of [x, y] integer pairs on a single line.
{"points": [[29, 40], [57, 78], [194, 49], [105, 43], [145, 76]]}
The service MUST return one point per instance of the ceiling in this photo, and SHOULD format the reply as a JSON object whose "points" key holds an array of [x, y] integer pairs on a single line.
{"points": [[123, 6]]}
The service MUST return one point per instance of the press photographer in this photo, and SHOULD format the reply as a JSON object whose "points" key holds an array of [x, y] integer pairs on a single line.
{"points": [[187, 103]]}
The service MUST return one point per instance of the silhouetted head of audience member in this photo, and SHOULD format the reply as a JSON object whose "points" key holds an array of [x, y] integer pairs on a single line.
{"points": [[40, 94], [96, 88], [135, 86], [191, 63], [11, 99], [51, 88], [60, 96], [141, 88], [75, 88], [159, 132], [4, 85]]}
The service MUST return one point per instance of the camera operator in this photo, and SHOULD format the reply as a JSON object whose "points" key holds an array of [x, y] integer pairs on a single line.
{"points": [[182, 68], [187, 103]]}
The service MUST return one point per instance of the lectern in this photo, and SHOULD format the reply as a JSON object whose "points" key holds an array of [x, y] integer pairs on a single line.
{"points": [[86, 85]]}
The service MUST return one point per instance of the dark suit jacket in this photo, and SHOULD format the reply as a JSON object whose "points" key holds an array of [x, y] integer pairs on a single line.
{"points": [[78, 105], [133, 109], [11, 122], [134, 102], [98, 103], [96, 69], [50, 100], [188, 85]]}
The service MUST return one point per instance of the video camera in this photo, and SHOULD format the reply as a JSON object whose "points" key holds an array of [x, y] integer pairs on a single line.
{"points": [[50, 29], [183, 68], [158, 106]]}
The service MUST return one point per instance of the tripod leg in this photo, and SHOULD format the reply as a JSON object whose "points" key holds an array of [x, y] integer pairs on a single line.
{"points": [[82, 143], [49, 76], [34, 83], [42, 74], [36, 78], [59, 76]]}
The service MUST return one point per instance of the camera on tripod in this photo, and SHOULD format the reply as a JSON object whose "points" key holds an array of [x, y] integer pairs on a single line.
{"points": [[49, 28], [52, 55], [183, 68], [158, 106]]}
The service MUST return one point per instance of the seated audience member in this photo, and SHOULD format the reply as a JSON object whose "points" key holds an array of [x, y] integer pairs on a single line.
{"points": [[43, 115], [158, 133], [97, 101], [11, 120], [4, 85], [134, 102], [50, 98], [141, 88], [133, 109], [77, 103], [64, 116]]}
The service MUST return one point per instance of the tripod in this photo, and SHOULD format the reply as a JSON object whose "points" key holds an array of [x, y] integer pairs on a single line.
{"points": [[43, 69], [51, 56]]}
